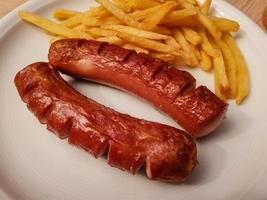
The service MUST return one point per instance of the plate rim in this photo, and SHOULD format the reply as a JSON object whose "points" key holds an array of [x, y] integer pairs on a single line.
{"points": [[11, 19]]}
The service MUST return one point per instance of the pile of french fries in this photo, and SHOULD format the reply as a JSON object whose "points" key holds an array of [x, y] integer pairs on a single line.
{"points": [[177, 31]]}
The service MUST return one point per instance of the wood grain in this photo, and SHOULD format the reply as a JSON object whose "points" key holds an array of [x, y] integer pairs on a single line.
{"points": [[252, 8], [7, 5]]}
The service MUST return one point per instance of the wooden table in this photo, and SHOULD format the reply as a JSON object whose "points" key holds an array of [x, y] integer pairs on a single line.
{"points": [[253, 8]]}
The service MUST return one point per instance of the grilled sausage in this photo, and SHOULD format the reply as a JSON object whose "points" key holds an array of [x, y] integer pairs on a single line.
{"points": [[171, 90], [167, 153]]}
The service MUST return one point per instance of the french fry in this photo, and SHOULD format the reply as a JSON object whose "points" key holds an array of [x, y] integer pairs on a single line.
{"points": [[93, 22], [188, 54], [162, 30], [121, 15], [147, 43], [121, 4], [209, 25], [186, 4], [204, 8], [80, 27], [193, 2], [204, 20], [99, 11], [63, 14], [169, 58], [217, 80], [100, 32], [74, 21], [53, 27], [192, 36], [230, 66], [206, 61], [177, 15], [136, 48], [54, 39], [225, 25], [90, 14], [242, 69], [153, 20], [111, 40], [196, 51], [206, 45], [128, 5], [173, 43], [142, 14], [136, 32], [221, 81]]}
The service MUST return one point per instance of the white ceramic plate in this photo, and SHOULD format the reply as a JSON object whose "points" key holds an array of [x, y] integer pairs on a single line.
{"points": [[34, 164]]}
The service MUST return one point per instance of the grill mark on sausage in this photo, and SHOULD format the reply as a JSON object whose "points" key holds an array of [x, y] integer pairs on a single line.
{"points": [[101, 47], [126, 58]]}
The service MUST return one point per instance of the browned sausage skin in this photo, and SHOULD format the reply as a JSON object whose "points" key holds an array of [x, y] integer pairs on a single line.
{"points": [[167, 153], [173, 91]]}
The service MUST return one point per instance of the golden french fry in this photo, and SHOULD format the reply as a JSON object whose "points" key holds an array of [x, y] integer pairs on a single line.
{"points": [[123, 5], [191, 36], [204, 8], [63, 14], [111, 40], [206, 61], [74, 21], [169, 58], [193, 2], [141, 14], [100, 32], [218, 92], [186, 4], [204, 20], [196, 51], [162, 30], [209, 25], [136, 48], [128, 5], [93, 21], [173, 43], [150, 22], [54, 39], [230, 66], [136, 32], [99, 11], [53, 27], [242, 69], [80, 27], [186, 47], [89, 16], [225, 25], [206, 45], [190, 21], [121, 15], [221, 80], [147, 43], [177, 15]]}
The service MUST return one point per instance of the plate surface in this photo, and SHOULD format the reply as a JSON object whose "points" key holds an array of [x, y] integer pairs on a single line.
{"points": [[37, 165]]}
